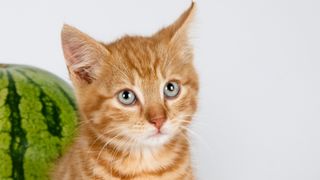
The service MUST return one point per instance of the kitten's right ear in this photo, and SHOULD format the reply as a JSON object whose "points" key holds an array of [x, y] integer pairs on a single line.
{"points": [[176, 35], [82, 53]]}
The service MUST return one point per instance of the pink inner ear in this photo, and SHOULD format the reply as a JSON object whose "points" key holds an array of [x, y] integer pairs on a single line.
{"points": [[83, 74], [72, 53], [74, 63], [74, 57]]}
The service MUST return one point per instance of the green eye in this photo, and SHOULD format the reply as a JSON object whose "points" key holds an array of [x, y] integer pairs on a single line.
{"points": [[127, 97], [171, 89]]}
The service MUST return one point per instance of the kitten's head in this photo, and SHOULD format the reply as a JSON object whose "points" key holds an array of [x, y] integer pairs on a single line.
{"points": [[141, 89]]}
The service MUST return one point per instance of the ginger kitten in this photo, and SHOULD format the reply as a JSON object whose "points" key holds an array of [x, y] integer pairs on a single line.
{"points": [[136, 97]]}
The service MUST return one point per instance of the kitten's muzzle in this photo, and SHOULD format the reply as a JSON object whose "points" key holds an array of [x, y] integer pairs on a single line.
{"points": [[156, 115], [158, 122]]}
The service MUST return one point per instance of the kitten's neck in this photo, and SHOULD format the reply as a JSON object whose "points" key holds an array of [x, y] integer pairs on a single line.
{"points": [[138, 160]]}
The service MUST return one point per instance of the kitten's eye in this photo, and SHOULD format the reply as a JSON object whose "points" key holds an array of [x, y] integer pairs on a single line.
{"points": [[127, 97], [171, 89]]}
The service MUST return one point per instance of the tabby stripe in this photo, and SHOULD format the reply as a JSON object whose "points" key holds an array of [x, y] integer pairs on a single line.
{"points": [[49, 108], [19, 143], [85, 166], [132, 65], [181, 148], [179, 159]]}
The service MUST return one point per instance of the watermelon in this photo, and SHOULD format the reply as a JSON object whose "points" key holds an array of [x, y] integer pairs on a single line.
{"points": [[38, 119]]}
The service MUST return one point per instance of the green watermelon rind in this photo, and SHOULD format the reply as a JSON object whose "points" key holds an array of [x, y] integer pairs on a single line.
{"points": [[48, 118]]}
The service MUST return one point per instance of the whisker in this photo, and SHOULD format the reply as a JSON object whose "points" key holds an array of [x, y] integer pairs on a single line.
{"points": [[186, 137], [193, 123], [121, 145], [194, 116], [99, 154], [197, 136], [101, 135], [78, 126]]}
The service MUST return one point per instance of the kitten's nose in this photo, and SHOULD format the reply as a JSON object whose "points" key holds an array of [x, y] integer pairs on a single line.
{"points": [[156, 115], [158, 122]]}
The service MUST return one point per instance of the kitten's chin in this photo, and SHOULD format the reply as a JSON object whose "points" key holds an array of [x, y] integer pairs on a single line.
{"points": [[157, 139]]}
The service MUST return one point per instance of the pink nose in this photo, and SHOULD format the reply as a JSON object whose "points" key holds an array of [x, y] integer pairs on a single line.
{"points": [[157, 122]]}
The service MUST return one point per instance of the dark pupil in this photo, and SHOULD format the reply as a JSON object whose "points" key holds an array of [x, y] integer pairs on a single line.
{"points": [[170, 87], [126, 95]]}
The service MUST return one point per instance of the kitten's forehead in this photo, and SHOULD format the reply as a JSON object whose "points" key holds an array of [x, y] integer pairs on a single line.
{"points": [[139, 57], [136, 63]]}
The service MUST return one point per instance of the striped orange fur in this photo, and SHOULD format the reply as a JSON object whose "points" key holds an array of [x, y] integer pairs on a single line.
{"points": [[147, 139]]}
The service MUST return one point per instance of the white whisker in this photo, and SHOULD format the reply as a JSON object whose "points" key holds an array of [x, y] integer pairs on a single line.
{"points": [[102, 135], [197, 136], [104, 146]]}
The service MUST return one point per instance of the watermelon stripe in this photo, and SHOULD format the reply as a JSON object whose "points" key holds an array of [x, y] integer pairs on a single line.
{"points": [[52, 112], [49, 108], [19, 143], [68, 97]]}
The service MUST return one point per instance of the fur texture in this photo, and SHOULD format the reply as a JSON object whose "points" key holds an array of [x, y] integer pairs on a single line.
{"points": [[117, 141]]}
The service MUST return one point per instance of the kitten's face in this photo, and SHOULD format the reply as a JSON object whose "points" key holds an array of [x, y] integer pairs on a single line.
{"points": [[142, 90]]}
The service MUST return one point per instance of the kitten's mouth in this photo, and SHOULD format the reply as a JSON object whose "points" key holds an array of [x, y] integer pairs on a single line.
{"points": [[157, 138], [157, 134]]}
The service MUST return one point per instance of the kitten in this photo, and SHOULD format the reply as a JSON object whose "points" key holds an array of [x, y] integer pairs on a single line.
{"points": [[136, 97]]}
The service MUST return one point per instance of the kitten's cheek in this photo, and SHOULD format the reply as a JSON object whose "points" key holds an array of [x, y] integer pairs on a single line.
{"points": [[169, 129]]}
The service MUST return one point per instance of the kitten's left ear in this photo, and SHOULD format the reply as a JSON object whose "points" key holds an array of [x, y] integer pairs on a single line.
{"points": [[83, 55], [177, 33]]}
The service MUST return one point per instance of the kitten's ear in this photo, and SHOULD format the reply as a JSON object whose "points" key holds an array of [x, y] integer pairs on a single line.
{"points": [[82, 53], [177, 33]]}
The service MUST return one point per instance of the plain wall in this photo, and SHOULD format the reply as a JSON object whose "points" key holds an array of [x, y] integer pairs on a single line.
{"points": [[259, 63]]}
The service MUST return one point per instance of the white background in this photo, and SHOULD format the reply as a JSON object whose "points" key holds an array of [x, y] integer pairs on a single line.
{"points": [[259, 62]]}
